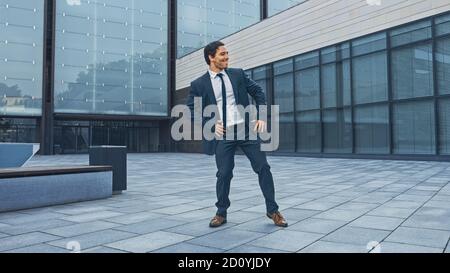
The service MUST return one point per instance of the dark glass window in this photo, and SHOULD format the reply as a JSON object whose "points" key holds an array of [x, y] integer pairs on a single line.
{"points": [[72, 136], [283, 66], [335, 53], [411, 33], [442, 56], [260, 72], [328, 54], [200, 22], [260, 76], [443, 25], [329, 85], [283, 96], [337, 130], [369, 44], [344, 69], [412, 71], [372, 129], [307, 60], [19, 130], [308, 131], [276, 6], [370, 78], [413, 128], [344, 51], [21, 57], [307, 95], [444, 126], [335, 82], [111, 57]]}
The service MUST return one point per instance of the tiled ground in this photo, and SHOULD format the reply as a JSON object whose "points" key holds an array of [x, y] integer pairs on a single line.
{"points": [[332, 205]]}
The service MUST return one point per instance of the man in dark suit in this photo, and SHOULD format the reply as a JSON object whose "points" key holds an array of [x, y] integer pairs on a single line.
{"points": [[228, 88]]}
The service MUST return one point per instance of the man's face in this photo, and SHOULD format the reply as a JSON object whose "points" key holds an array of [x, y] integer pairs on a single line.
{"points": [[220, 60]]}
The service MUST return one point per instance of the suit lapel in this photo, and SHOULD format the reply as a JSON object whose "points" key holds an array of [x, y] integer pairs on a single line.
{"points": [[209, 88], [233, 84]]}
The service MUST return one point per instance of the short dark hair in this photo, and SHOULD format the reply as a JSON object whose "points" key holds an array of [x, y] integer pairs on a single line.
{"points": [[211, 49]]}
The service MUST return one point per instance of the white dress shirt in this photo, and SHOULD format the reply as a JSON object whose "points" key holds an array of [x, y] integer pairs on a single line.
{"points": [[233, 115]]}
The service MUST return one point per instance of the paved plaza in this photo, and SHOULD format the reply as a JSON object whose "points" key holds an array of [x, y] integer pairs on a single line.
{"points": [[332, 205]]}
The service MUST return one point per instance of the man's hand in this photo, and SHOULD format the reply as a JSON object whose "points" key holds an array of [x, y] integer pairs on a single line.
{"points": [[260, 126], [219, 129]]}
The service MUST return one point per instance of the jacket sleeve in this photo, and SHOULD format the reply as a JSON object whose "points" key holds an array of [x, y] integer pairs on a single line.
{"points": [[190, 100]]}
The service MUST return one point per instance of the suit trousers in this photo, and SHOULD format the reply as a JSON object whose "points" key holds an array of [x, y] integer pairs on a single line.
{"points": [[225, 151]]}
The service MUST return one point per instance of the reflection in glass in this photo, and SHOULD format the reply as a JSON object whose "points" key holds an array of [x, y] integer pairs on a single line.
{"points": [[21, 51], [442, 25], [307, 84], [111, 57], [282, 66], [411, 33], [442, 57], [75, 136], [19, 130], [283, 94], [370, 78], [444, 126], [308, 131], [413, 128], [335, 84], [328, 54], [260, 76], [307, 60], [372, 129], [329, 85], [345, 85], [337, 131], [260, 72], [412, 72], [369, 44], [335, 53], [204, 21], [276, 6]]}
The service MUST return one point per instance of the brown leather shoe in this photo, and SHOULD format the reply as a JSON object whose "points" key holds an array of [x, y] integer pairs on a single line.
{"points": [[217, 221], [278, 219]]}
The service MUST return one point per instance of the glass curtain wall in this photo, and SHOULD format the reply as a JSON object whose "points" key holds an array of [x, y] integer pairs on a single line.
{"points": [[370, 94], [336, 99], [283, 91], [442, 65], [307, 103], [412, 78], [75, 136], [276, 6], [19, 130], [203, 21], [21, 57], [384, 93], [111, 57]]}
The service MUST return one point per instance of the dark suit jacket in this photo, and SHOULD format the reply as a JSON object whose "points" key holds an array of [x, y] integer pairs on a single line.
{"points": [[242, 86]]}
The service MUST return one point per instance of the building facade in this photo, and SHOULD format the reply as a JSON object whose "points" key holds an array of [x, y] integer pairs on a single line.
{"points": [[359, 79], [77, 73], [353, 78]]}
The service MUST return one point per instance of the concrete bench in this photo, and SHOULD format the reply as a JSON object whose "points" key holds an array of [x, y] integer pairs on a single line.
{"points": [[31, 187], [16, 154]]}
